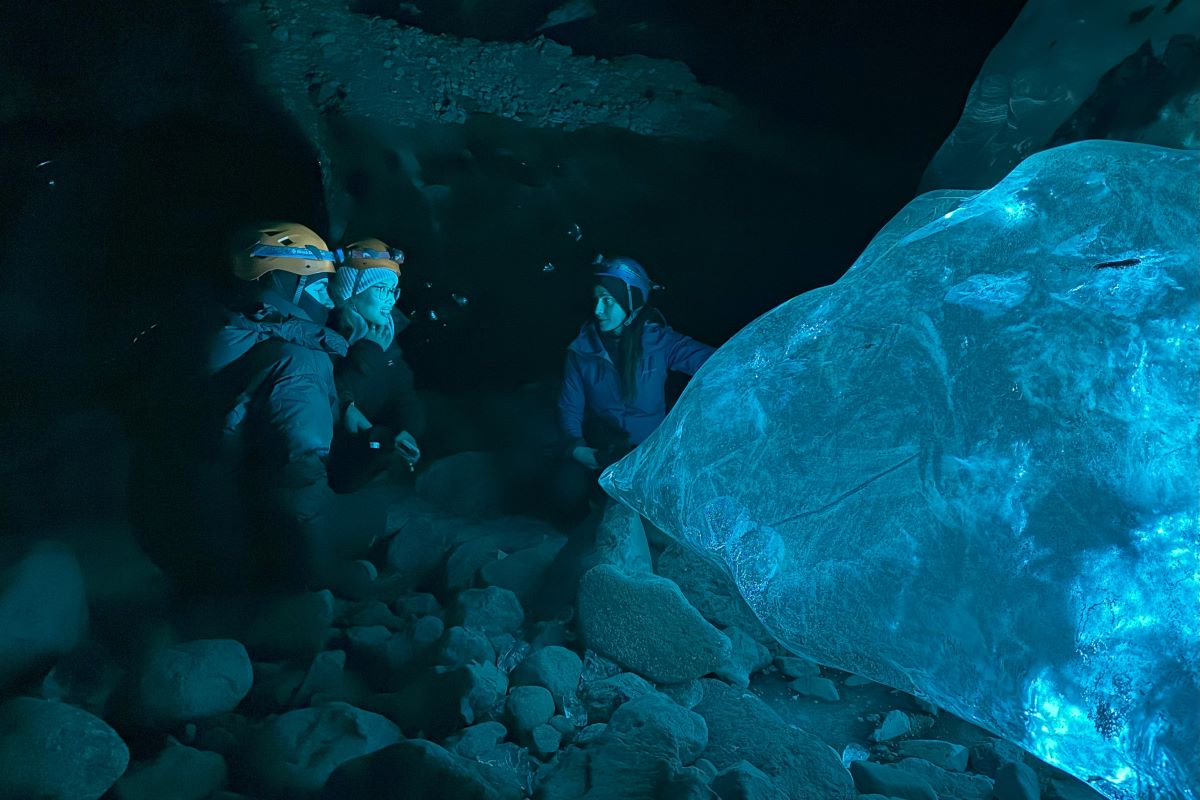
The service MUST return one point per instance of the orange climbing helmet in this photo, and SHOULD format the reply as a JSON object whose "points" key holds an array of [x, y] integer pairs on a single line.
{"points": [[370, 254], [287, 246]]}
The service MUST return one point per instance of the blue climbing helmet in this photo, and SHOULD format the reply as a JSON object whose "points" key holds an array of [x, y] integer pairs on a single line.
{"points": [[630, 273]]}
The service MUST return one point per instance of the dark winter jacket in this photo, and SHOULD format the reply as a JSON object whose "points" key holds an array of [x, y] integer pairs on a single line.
{"points": [[277, 371], [380, 385], [592, 386]]}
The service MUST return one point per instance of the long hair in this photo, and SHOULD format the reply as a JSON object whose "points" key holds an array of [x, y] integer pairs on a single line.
{"points": [[630, 347]]}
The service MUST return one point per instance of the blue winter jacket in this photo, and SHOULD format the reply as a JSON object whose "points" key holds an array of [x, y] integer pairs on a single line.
{"points": [[591, 384]]}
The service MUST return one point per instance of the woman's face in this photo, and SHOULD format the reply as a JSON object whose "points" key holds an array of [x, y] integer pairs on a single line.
{"points": [[608, 312], [375, 304]]}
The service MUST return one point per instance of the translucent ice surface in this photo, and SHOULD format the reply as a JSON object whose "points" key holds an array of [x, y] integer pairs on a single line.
{"points": [[970, 468]]}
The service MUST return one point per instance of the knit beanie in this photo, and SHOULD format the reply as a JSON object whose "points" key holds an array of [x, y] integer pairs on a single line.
{"points": [[348, 281], [621, 292]]}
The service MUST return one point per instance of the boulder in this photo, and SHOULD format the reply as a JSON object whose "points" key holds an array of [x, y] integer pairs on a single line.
{"points": [[56, 751], [192, 680], [947, 755], [645, 623], [294, 753], [741, 727], [418, 769], [461, 646], [292, 626], [871, 778], [43, 610], [492, 611], [946, 783], [744, 781], [1016, 781], [556, 668], [415, 552], [522, 572], [621, 540], [895, 724], [178, 773], [601, 698], [526, 708], [473, 741], [816, 687], [746, 657]]}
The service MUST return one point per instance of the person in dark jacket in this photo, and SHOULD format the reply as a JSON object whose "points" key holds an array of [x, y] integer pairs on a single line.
{"points": [[614, 382], [232, 494], [381, 414]]}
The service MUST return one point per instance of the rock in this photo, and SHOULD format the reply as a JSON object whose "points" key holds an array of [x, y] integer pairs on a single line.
{"points": [[946, 755], [294, 626], [369, 614], [601, 698], [988, 757], [437, 704], [419, 769], [477, 546], [468, 484], [544, 741], [528, 707], [949, 784], [686, 694], [492, 611], [556, 668], [795, 667], [86, 677], [646, 746], [386, 659], [707, 767], [896, 723], [326, 675], [1016, 781], [275, 686], [178, 772], [295, 752], [461, 646], [855, 681], [591, 734], [416, 551], [710, 590], [621, 540], [629, 618], [889, 781], [43, 611], [523, 571], [747, 656], [686, 783], [744, 781], [192, 680], [473, 741], [816, 687], [53, 750], [742, 727], [417, 604]]}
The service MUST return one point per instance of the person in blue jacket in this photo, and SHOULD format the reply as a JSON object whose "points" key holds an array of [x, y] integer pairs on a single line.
{"points": [[614, 382]]}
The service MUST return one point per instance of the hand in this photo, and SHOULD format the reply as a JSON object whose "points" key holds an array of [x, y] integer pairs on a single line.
{"points": [[406, 446], [354, 420], [377, 334], [586, 456]]}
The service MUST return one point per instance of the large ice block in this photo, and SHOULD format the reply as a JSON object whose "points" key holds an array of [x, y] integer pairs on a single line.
{"points": [[970, 468]]}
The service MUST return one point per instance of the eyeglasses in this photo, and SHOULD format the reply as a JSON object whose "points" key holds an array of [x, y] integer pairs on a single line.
{"points": [[385, 292]]}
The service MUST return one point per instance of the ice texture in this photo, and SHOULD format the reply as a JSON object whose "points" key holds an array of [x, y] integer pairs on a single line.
{"points": [[969, 468], [1047, 66]]}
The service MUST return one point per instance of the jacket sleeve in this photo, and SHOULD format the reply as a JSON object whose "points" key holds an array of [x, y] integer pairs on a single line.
{"points": [[354, 372], [571, 402], [685, 354], [405, 412]]}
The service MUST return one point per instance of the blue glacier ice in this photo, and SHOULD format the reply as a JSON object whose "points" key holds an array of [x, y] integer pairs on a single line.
{"points": [[970, 468]]}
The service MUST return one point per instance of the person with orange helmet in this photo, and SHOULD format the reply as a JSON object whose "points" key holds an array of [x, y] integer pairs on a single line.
{"points": [[381, 414]]}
